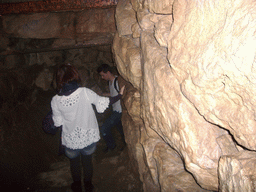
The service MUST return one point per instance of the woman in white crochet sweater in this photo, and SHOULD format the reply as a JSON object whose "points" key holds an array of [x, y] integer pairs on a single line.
{"points": [[72, 109]]}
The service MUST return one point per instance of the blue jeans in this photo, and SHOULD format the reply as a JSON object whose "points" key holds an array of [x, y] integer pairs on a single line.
{"points": [[76, 156], [113, 120], [73, 153]]}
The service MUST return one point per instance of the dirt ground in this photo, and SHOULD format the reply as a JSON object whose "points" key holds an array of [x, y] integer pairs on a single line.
{"points": [[111, 174], [30, 161]]}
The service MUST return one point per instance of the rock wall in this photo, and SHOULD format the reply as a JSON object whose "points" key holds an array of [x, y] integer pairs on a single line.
{"points": [[35, 44], [190, 116], [31, 47], [189, 108]]}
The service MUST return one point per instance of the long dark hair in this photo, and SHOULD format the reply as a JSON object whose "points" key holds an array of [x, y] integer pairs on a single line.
{"points": [[66, 73]]}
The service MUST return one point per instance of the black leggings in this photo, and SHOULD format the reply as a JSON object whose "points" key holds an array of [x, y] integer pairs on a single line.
{"points": [[75, 167]]}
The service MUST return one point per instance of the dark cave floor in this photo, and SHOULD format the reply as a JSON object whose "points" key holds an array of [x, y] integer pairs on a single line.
{"points": [[111, 174], [30, 161]]}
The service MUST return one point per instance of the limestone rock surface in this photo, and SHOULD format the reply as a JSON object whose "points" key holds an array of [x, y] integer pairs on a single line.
{"points": [[236, 172], [192, 64], [64, 29], [44, 79], [126, 17]]}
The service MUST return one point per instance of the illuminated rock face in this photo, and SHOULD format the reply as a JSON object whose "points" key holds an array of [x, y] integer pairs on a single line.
{"points": [[65, 29], [192, 66]]}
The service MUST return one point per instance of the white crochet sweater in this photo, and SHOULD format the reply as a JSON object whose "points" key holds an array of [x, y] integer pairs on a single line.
{"points": [[77, 117]]}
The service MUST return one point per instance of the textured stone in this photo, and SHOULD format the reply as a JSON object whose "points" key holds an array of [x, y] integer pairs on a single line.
{"points": [[4, 41], [30, 7], [41, 25], [160, 7], [136, 30], [128, 58], [196, 86], [175, 120], [222, 64], [162, 30], [11, 61], [125, 17], [82, 26], [144, 18], [96, 21], [54, 31], [31, 59], [44, 79], [49, 58], [188, 117], [81, 56], [136, 5], [237, 172]]}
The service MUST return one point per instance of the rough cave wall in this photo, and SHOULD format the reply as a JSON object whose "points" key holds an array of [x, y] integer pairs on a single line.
{"points": [[35, 44], [190, 119], [31, 47]]}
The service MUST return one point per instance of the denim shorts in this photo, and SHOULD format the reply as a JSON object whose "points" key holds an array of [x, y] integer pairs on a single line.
{"points": [[73, 153]]}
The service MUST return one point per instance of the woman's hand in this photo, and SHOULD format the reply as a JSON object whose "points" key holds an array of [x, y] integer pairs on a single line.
{"points": [[121, 92]]}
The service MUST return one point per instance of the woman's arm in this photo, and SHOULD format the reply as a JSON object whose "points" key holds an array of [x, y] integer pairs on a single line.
{"points": [[102, 103]]}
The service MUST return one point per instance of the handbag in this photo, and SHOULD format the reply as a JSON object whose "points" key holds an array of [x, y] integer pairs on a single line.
{"points": [[48, 127], [48, 124]]}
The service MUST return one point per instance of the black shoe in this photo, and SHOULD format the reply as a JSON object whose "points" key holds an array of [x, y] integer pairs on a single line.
{"points": [[76, 186], [88, 186]]}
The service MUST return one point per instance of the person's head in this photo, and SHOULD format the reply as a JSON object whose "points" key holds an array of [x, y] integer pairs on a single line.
{"points": [[105, 72], [66, 73]]}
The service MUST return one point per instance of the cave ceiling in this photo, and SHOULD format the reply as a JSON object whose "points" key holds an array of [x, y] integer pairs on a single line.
{"points": [[93, 28], [28, 7]]}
